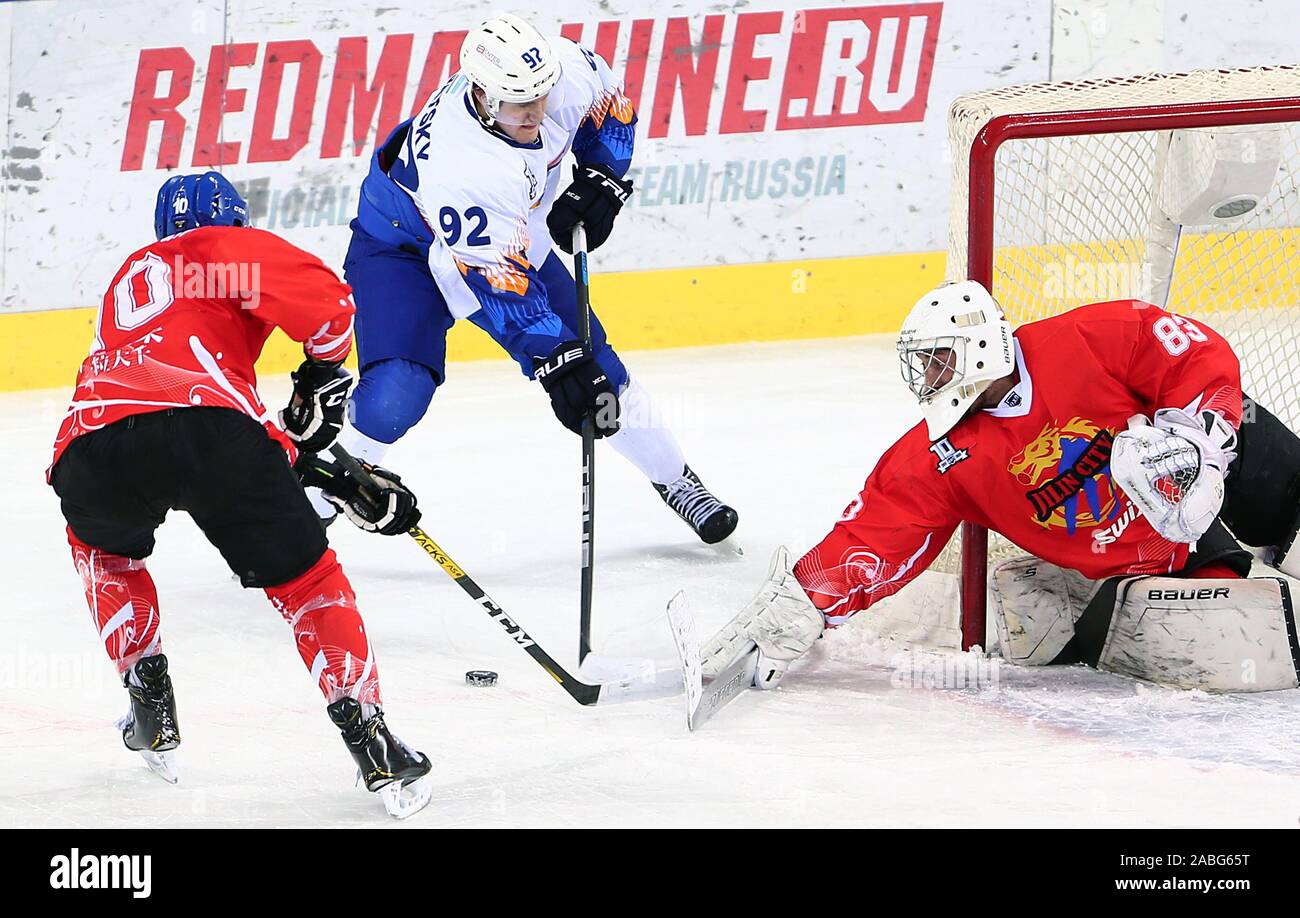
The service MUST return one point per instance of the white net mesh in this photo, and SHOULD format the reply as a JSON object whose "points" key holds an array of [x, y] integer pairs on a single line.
{"points": [[1086, 218]]}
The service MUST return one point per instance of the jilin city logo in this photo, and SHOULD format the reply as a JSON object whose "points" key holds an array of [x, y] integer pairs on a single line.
{"points": [[1064, 463]]}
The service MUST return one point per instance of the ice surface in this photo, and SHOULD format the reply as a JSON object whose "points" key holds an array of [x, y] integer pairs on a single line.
{"points": [[785, 432]]}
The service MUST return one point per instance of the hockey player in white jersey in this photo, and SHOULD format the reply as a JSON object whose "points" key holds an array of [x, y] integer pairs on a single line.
{"points": [[457, 220]]}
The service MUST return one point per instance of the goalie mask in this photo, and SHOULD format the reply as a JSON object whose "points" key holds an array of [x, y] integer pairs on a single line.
{"points": [[953, 344], [510, 61]]}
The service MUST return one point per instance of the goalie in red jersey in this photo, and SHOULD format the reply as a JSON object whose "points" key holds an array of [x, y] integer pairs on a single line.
{"points": [[1107, 442], [166, 416]]}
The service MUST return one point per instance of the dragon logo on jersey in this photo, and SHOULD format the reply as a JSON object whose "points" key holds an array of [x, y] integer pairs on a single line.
{"points": [[1064, 462]]}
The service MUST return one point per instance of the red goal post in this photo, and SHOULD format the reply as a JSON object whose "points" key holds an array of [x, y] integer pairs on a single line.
{"points": [[1062, 194]]}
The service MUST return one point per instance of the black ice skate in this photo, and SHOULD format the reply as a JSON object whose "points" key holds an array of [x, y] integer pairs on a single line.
{"points": [[711, 519], [150, 727], [388, 766]]}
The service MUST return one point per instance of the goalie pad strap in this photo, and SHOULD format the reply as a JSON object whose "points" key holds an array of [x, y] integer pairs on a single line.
{"points": [[1093, 626]]}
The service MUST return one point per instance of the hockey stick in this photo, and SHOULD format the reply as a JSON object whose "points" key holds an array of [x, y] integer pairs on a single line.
{"points": [[703, 701], [593, 665], [640, 685], [588, 454]]}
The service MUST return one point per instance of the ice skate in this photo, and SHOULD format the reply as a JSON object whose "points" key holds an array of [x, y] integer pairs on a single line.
{"points": [[389, 767], [711, 519], [150, 726]]}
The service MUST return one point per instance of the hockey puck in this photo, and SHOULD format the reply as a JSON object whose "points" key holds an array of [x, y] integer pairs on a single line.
{"points": [[482, 677]]}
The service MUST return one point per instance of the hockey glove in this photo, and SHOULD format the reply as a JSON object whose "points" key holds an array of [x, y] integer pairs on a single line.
{"points": [[594, 200], [781, 621], [314, 415], [389, 507], [1174, 471], [578, 387]]}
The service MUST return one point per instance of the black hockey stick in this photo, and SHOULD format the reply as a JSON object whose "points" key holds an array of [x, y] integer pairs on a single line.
{"points": [[588, 454], [582, 692]]}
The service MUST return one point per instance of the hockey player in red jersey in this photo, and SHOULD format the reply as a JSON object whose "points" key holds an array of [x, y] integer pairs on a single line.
{"points": [[1108, 443], [166, 416]]}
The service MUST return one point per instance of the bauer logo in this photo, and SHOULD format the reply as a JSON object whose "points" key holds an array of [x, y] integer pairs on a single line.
{"points": [[103, 871], [1204, 593]]}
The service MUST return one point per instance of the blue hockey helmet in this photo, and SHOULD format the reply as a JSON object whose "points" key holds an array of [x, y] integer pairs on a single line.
{"points": [[189, 201]]}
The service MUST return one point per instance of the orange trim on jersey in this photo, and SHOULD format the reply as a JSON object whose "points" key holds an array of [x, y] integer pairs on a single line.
{"points": [[621, 108], [505, 276]]}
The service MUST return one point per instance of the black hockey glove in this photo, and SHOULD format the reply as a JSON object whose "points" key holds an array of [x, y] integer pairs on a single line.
{"points": [[594, 200], [314, 415], [389, 509], [577, 386]]}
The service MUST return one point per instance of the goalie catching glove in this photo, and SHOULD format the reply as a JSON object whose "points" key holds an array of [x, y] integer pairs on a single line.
{"points": [[314, 415], [781, 621], [389, 508], [1173, 469]]}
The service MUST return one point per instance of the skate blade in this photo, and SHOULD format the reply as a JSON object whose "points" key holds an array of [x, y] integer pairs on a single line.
{"points": [[405, 800], [163, 764]]}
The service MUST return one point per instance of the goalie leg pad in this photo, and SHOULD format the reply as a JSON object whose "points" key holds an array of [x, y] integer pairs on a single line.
{"points": [[1036, 606], [1215, 635]]}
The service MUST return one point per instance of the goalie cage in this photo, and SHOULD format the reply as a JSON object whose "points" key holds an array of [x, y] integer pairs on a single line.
{"points": [[1179, 189]]}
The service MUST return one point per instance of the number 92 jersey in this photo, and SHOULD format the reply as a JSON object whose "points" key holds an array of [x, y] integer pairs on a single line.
{"points": [[473, 201]]}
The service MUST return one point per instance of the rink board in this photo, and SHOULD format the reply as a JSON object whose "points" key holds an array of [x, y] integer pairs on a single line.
{"points": [[641, 310]]}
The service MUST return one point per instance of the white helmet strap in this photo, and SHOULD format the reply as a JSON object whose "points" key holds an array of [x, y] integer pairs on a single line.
{"points": [[488, 102]]}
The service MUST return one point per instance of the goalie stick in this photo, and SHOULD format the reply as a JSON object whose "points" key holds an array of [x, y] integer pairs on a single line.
{"points": [[639, 685], [703, 701]]}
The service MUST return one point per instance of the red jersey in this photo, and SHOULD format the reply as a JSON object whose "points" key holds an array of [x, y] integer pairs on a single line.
{"points": [[185, 319], [1036, 468]]}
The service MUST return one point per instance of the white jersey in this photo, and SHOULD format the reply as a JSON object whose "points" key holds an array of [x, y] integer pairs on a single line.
{"points": [[486, 197]]}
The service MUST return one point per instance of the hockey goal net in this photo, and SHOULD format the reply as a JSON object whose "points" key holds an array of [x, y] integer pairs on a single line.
{"points": [[1178, 189]]}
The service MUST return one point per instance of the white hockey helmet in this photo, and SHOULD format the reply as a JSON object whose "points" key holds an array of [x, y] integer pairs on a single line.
{"points": [[509, 60], [953, 344]]}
